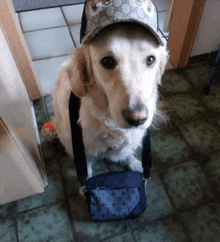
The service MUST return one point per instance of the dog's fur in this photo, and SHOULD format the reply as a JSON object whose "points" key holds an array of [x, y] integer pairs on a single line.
{"points": [[106, 93]]}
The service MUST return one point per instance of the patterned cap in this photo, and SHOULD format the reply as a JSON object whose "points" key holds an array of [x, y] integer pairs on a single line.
{"points": [[101, 13]]}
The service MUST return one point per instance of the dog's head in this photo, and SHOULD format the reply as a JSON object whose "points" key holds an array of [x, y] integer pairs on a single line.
{"points": [[120, 70]]}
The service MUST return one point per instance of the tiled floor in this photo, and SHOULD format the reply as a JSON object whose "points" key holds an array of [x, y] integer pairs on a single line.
{"points": [[184, 193], [51, 35]]}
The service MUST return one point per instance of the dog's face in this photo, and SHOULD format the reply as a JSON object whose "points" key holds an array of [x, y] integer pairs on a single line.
{"points": [[122, 68]]}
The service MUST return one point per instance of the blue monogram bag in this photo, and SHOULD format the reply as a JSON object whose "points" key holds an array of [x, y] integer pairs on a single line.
{"points": [[116, 195]]}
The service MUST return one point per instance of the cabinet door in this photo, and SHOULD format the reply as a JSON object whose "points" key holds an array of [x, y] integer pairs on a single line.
{"points": [[17, 178], [22, 171]]}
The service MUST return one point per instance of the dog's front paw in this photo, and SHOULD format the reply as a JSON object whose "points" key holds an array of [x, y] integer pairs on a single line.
{"points": [[135, 165]]}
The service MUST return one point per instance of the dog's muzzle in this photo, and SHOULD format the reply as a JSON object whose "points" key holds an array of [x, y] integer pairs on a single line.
{"points": [[135, 116]]}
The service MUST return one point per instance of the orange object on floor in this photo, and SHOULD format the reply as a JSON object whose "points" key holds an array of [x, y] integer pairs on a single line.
{"points": [[49, 131]]}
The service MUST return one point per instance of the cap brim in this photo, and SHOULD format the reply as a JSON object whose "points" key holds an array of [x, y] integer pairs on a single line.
{"points": [[88, 37]]}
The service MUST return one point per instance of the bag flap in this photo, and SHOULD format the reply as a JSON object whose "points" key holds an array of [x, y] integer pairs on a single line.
{"points": [[115, 179]]}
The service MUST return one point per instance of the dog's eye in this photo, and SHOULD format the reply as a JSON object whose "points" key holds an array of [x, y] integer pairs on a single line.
{"points": [[108, 62], [150, 60]]}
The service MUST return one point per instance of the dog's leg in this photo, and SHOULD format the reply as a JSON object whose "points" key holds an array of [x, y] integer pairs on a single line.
{"points": [[90, 160], [134, 164], [89, 168]]}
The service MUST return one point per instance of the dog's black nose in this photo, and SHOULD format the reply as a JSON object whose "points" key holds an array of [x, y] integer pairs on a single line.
{"points": [[135, 117]]}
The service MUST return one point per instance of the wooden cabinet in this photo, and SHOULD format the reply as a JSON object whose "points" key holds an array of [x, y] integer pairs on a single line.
{"points": [[22, 171]]}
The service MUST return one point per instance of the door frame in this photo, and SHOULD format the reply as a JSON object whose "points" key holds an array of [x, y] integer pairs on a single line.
{"points": [[184, 23], [15, 38]]}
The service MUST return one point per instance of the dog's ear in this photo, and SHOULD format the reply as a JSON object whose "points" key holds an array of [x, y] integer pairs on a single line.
{"points": [[162, 65], [79, 71]]}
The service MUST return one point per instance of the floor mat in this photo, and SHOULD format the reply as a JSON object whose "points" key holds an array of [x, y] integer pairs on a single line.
{"points": [[25, 5]]}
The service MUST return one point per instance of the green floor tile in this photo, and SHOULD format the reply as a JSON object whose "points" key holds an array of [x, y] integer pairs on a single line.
{"points": [[203, 223], [212, 169], [6, 209], [121, 238], [174, 82], [53, 192], [50, 223], [86, 229], [198, 75], [186, 108], [187, 185], [169, 230], [158, 203], [8, 230], [169, 147], [203, 137]]}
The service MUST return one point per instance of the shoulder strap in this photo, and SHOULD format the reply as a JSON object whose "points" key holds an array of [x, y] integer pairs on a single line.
{"points": [[77, 139], [146, 155]]}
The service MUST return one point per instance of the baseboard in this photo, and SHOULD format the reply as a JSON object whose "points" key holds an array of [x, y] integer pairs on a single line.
{"points": [[207, 57], [27, 5]]}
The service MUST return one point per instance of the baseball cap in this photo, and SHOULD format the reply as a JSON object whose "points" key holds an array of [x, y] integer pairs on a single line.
{"points": [[102, 13]]}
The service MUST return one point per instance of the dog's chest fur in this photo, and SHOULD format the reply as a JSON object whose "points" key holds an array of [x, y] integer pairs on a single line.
{"points": [[103, 139]]}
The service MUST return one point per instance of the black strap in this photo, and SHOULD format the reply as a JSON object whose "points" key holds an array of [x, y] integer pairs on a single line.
{"points": [[146, 155], [77, 139]]}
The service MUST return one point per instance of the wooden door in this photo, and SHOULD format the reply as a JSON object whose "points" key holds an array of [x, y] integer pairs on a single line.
{"points": [[184, 23], [13, 33]]}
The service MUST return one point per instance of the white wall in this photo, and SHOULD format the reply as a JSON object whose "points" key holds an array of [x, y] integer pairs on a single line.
{"points": [[208, 35]]}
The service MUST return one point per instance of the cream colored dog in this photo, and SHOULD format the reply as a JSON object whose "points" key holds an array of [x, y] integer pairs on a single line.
{"points": [[116, 77]]}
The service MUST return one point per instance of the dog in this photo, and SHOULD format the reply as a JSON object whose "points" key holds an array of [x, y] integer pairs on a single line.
{"points": [[116, 76]]}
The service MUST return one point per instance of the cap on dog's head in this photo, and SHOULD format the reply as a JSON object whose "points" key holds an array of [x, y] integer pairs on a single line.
{"points": [[102, 13]]}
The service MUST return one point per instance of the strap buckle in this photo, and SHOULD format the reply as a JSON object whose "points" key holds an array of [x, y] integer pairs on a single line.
{"points": [[82, 191]]}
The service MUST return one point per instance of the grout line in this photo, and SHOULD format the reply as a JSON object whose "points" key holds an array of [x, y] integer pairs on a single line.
{"points": [[132, 232], [162, 11], [162, 34], [16, 221], [124, 231], [43, 29], [166, 191], [57, 201], [68, 28], [45, 108], [19, 19], [47, 58]]}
